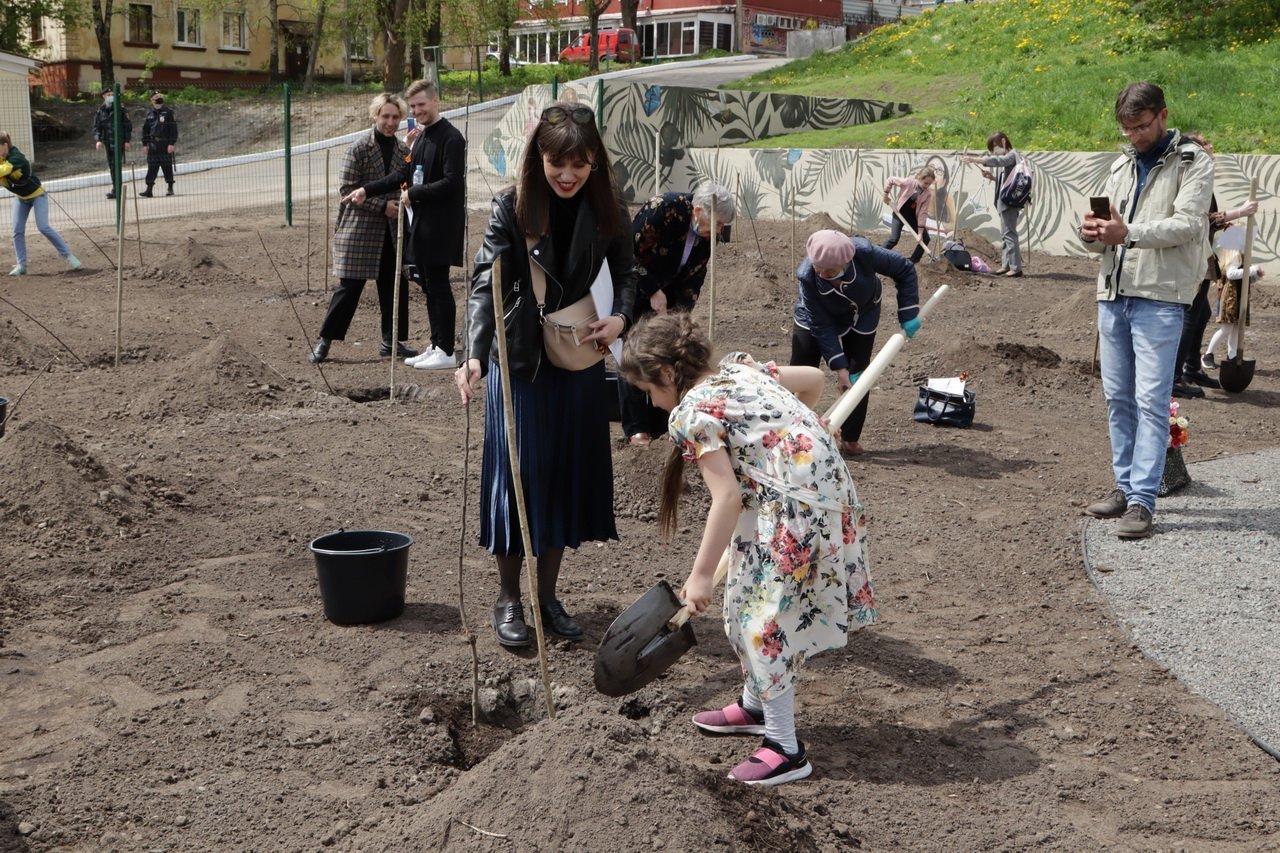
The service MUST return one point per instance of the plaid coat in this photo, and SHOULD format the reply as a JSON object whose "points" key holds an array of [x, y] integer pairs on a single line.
{"points": [[361, 229]]}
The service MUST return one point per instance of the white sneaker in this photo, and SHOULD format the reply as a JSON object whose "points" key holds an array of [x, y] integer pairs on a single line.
{"points": [[73, 262], [436, 360], [19, 269], [422, 356]]}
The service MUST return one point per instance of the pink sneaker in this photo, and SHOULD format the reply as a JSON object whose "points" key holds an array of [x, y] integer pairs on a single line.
{"points": [[730, 720], [771, 766]]}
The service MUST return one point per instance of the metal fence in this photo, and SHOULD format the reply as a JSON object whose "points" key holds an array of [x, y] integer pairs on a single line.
{"points": [[274, 149]]}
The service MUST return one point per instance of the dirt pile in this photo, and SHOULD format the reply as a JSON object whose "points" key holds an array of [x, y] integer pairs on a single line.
{"points": [[58, 492], [19, 354], [221, 376], [592, 779]]}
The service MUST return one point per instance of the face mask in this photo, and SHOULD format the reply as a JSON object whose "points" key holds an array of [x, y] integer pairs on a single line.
{"points": [[158, 101], [109, 100], [998, 151]]}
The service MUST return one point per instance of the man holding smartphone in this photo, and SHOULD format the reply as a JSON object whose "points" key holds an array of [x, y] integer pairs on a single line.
{"points": [[1152, 246]]}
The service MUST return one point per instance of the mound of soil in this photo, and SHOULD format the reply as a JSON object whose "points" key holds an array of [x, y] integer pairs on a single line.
{"points": [[221, 376], [19, 355]]}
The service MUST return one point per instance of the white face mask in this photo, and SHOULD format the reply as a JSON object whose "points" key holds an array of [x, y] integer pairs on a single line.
{"points": [[998, 151], [108, 99]]}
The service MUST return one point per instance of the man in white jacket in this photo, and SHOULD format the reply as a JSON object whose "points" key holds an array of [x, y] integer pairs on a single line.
{"points": [[1153, 250]]}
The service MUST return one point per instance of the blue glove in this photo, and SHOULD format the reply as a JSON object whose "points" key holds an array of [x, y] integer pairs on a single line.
{"points": [[911, 327]]}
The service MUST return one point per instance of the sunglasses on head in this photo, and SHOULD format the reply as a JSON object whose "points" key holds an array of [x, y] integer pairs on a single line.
{"points": [[557, 115]]}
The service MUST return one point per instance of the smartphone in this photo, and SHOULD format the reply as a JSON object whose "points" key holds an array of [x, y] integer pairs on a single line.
{"points": [[1101, 206], [412, 123]]}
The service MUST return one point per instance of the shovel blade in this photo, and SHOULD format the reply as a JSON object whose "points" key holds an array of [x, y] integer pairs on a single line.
{"points": [[1235, 374], [639, 646]]}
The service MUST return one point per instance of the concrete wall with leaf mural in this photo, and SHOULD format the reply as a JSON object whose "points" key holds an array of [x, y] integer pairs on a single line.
{"points": [[685, 130]]}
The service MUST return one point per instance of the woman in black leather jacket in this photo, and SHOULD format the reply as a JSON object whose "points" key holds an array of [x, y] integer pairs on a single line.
{"points": [[566, 204]]}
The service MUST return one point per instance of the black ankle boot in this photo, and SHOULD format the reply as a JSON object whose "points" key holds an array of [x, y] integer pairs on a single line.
{"points": [[402, 351]]}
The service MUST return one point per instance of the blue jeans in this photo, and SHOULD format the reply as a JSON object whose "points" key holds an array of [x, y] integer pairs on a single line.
{"points": [[1138, 344], [22, 208]]}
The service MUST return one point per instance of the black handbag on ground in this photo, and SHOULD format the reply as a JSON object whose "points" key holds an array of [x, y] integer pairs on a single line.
{"points": [[942, 409]]}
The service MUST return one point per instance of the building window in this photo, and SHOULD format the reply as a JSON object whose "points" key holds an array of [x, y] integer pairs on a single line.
{"points": [[233, 31], [189, 27], [37, 29], [140, 24], [361, 46]]}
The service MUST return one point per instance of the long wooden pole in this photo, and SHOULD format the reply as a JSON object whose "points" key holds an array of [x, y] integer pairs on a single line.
{"points": [[466, 438], [711, 273], [119, 279], [395, 298], [137, 219], [517, 480], [914, 232], [328, 229]]}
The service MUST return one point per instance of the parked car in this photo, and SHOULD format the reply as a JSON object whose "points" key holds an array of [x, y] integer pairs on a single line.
{"points": [[620, 45]]}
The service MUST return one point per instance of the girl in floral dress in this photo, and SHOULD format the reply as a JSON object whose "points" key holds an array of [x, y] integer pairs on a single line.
{"points": [[784, 505]]}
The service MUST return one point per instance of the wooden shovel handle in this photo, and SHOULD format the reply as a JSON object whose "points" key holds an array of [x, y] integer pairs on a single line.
{"points": [[682, 615], [1242, 310]]}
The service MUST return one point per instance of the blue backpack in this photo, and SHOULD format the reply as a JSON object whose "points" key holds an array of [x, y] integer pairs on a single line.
{"points": [[1016, 189]]}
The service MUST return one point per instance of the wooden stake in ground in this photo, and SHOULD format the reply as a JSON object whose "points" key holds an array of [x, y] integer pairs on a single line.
{"points": [[657, 161], [119, 280], [137, 219], [327, 231], [513, 459], [466, 446], [395, 297], [737, 203], [793, 223], [711, 274]]}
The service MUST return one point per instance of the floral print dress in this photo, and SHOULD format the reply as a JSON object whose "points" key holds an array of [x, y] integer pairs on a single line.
{"points": [[798, 580]]}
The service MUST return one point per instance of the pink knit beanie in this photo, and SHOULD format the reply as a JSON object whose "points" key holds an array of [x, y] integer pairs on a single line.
{"points": [[829, 249]]}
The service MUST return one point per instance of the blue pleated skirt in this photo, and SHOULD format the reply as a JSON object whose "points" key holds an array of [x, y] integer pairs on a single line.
{"points": [[562, 432]]}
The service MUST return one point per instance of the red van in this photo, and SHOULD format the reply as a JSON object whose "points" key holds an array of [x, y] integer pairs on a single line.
{"points": [[620, 45]]}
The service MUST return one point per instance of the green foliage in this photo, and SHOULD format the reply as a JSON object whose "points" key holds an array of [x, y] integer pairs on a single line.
{"points": [[1223, 23], [455, 84], [1045, 71]]}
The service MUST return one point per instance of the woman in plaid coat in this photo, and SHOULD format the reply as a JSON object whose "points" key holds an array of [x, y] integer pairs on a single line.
{"points": [[364, 239]]}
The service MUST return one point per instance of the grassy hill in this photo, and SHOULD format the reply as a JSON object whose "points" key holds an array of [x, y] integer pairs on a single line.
{"points": [[1047, 72]]}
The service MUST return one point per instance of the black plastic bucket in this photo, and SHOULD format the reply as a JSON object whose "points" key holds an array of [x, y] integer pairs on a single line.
{"points": [[362, 574], [4, 413]]}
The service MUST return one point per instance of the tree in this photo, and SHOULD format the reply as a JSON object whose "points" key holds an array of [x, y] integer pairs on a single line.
{"points": [[309, 83], [629, 10], [595, 8], [390, 13], [17, 18], [100, 12]]}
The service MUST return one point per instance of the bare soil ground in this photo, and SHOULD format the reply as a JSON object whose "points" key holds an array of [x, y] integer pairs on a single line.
{"points": [[168, 680]]}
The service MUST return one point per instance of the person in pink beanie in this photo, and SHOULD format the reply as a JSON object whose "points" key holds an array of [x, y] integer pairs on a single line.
{"points": [[838, 309]]}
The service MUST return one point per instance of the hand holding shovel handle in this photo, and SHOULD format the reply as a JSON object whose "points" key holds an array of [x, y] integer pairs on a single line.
{"points": [[849, 401], [1235, 374], [683, 614]]}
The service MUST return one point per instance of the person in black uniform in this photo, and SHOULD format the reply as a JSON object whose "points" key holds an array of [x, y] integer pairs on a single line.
{"points": [[160, 137], [439, 214], [104, 135]]}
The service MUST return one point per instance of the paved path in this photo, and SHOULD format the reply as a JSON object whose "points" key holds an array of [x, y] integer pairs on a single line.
{"points": [[1201, 597]]}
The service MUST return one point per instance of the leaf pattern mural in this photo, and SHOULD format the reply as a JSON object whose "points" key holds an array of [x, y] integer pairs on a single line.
{"points": [[698, 126]]}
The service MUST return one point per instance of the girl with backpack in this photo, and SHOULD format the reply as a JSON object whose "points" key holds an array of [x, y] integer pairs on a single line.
{"points": [[1003, 159], [782, 503], [912, 204]]}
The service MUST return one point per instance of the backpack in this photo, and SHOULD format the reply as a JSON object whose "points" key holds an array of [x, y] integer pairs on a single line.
{"points": [[1016, 189]]}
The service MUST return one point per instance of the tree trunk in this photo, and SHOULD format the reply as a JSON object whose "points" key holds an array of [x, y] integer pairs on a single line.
{"points": [[309, 84], [593, 18], [629, 9], [392, 12], [504, 52], [102, 11], [346, 43], [273, 62]]}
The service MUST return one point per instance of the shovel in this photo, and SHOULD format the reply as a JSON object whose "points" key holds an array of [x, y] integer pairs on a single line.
{"points": [[654, 633], [1235, 374]]}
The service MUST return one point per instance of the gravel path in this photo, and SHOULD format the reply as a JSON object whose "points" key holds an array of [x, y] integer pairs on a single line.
{"points": [[1201, 596]]}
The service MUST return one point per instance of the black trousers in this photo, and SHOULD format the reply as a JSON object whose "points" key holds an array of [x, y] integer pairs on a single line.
{"points": [[857, 348], [111, 166], [342, 306], [441, 309], [158, 160], [638, 414], [1194, 321], [895, 231]]}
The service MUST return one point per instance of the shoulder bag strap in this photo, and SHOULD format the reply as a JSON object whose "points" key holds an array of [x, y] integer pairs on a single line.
{"points": [[537, 278]]}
